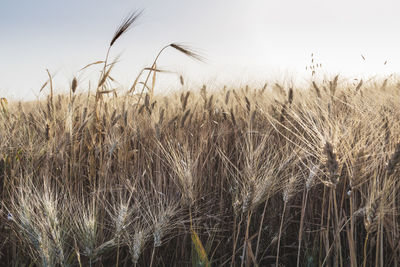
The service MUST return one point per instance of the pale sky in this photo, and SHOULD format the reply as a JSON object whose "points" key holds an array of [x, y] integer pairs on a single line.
{"points": [[243, 41]]}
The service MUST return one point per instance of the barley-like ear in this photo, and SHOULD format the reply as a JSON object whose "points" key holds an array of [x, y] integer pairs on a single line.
{"points": [[185, 117], [394, 159], [383, 87], [264, 88], [248, 106], [317, 89], [47, 132], [136, 244], [74, 85], [290, 97], [248, 197], [359, 85], [331, 163], [185, 100], [153, 105], [43, 86], [280, 89], [203, 93], [126, 25], [371, 214], [233, 117], [161, 117], [283, 114], [210, 102], [227, 97], [188, 51], [333, 85]]}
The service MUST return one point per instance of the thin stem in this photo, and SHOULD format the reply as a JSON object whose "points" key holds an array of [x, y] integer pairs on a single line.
{"points": [[152, 256], [328, 220], [338, 256], [303, 210], [321, 227], [280, 233], [377, 248], [235, 242], [105, 64], [365, 249], [260, 228], [249, 213], [381, 245], [353, 253], [116, 264]]}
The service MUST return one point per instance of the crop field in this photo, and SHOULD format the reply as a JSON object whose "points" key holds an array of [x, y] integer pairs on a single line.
{"points": [[239, 176]]}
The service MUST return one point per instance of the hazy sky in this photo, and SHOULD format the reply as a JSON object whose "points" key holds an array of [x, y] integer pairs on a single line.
{"points": [[242, 40]]}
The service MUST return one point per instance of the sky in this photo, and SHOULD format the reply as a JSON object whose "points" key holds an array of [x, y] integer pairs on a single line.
{"points": [[242, 41]]}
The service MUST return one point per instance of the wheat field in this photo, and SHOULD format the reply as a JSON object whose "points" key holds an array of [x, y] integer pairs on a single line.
{"points": [[239, 176]]}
